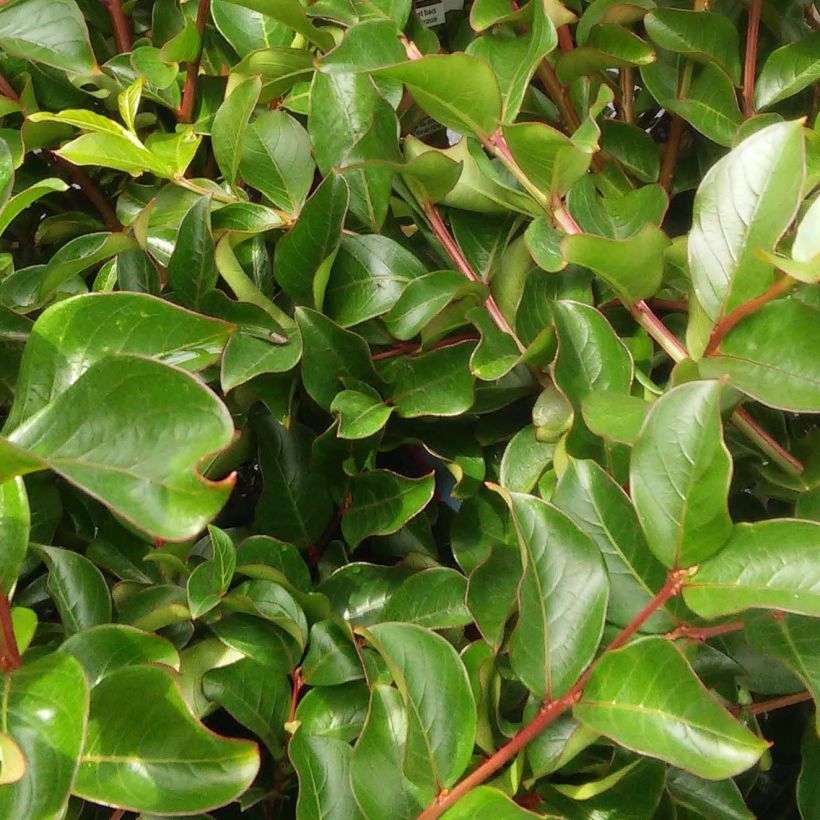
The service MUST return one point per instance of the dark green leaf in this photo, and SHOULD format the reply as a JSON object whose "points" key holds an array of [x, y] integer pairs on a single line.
{"points": [[331, 658], [434, 598], [230, 124], [15, 526]]}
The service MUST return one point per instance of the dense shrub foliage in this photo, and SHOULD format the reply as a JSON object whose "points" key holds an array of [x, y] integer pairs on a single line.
{"points": [[406, 421]]}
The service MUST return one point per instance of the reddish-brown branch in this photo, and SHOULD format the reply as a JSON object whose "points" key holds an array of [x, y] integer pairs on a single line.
{"points": [[120, 24], [7, 89], [750, 60], [10, 655], [781, 286], [89, 188], [442, 233], [565, 39], [771, 705], [185, 112], [407, 348], [298, 683], [670, 153], [558, 94], [118, 814], [551, 709], [703, 633], [669, 305], [752, 430]]}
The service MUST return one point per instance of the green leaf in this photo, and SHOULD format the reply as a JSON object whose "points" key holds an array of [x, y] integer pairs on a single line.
{"points": [[332, 657], [492, 590], [79, 255], [368, 276], [808, 793], [768, 356], [150, 754], [441, 717], [707, 798], [710, 105], [292, 14], [633, 267], [149, 64], [768, 565], [376, 764], [647, 698], [744, 204], [102, 650], [497, 353], [157, 329], [703, 36], [361, 412], [792, 639], [113, 151], [590, 355], [230, 124], [680, 473], [261, 556], [788, 70], [279, 67], [192, 269], [329, 355], [365, 46], [596, 503], [44, 711], [306, 252], [254, 696], [78, 589], [246, 357], [323, 767], [47, 31], [525, 459], [459, 90], [273, 602], [276, 160], [334, 711], [154, 607], [359, 592], [608, 46], [382, 502], [487, 803], [433, 598], [155, 487], [19, 202], [614, 415], [633, 148], [562, 599], [437, 383], [15, 527]]}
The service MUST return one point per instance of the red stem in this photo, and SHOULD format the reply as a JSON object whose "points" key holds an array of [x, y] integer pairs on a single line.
{"points": [[565, 39], [406, 348], [780, 287], [775, 703], [442, 233], [298, 683], [751, 429], [10, 655], [551, 709], [186, 108], [750, 60], [120, 24], [702, 633]]}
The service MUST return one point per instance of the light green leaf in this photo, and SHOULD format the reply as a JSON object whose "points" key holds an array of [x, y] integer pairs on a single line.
{"points": [[292, 14], [230, 124], [246, 357], [488, 803], [128, 102], [646, 697], [19, 202], [15, 526], [608, 46], [680, 473], [44, 711], [771, 565], [744, 204], [613, 415], [361, 412], [562, 599], [710, 105], [150, 754], [192, 269], [279, 68], [441, 717], [788, 70], [114, 151]]}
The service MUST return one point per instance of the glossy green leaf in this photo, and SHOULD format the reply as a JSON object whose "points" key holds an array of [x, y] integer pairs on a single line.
{"points": [[382, 502], [78, 589], [305, 254], [441, 718], [608, 46], [707, 798], [459, 90], [562, 599], [254, 696], [276, 160], [19, 202], [491, 591], [165, 780], [365, 46], [702, 36], [710, 105], [769, 565], [159, 330], [633, 267], [496, 353], [338, 712], [102, 650], [292, 14], [261, 556], [633, 148], [331, 658], [15, 527], [613, 415], [192, 269], [590, 355], [680, 473], [488, 803], [247, 356], [47, 31], [768, 356], [156, 486], [596, 503], [647, 698], [434, 598], [230, 124], [788, 70], [437, 383], [744, 204], [525, 459], [808, 793], [361, 412], [113, 151], [279, 67], [44, 712], [359, 592], [330, 354]]}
